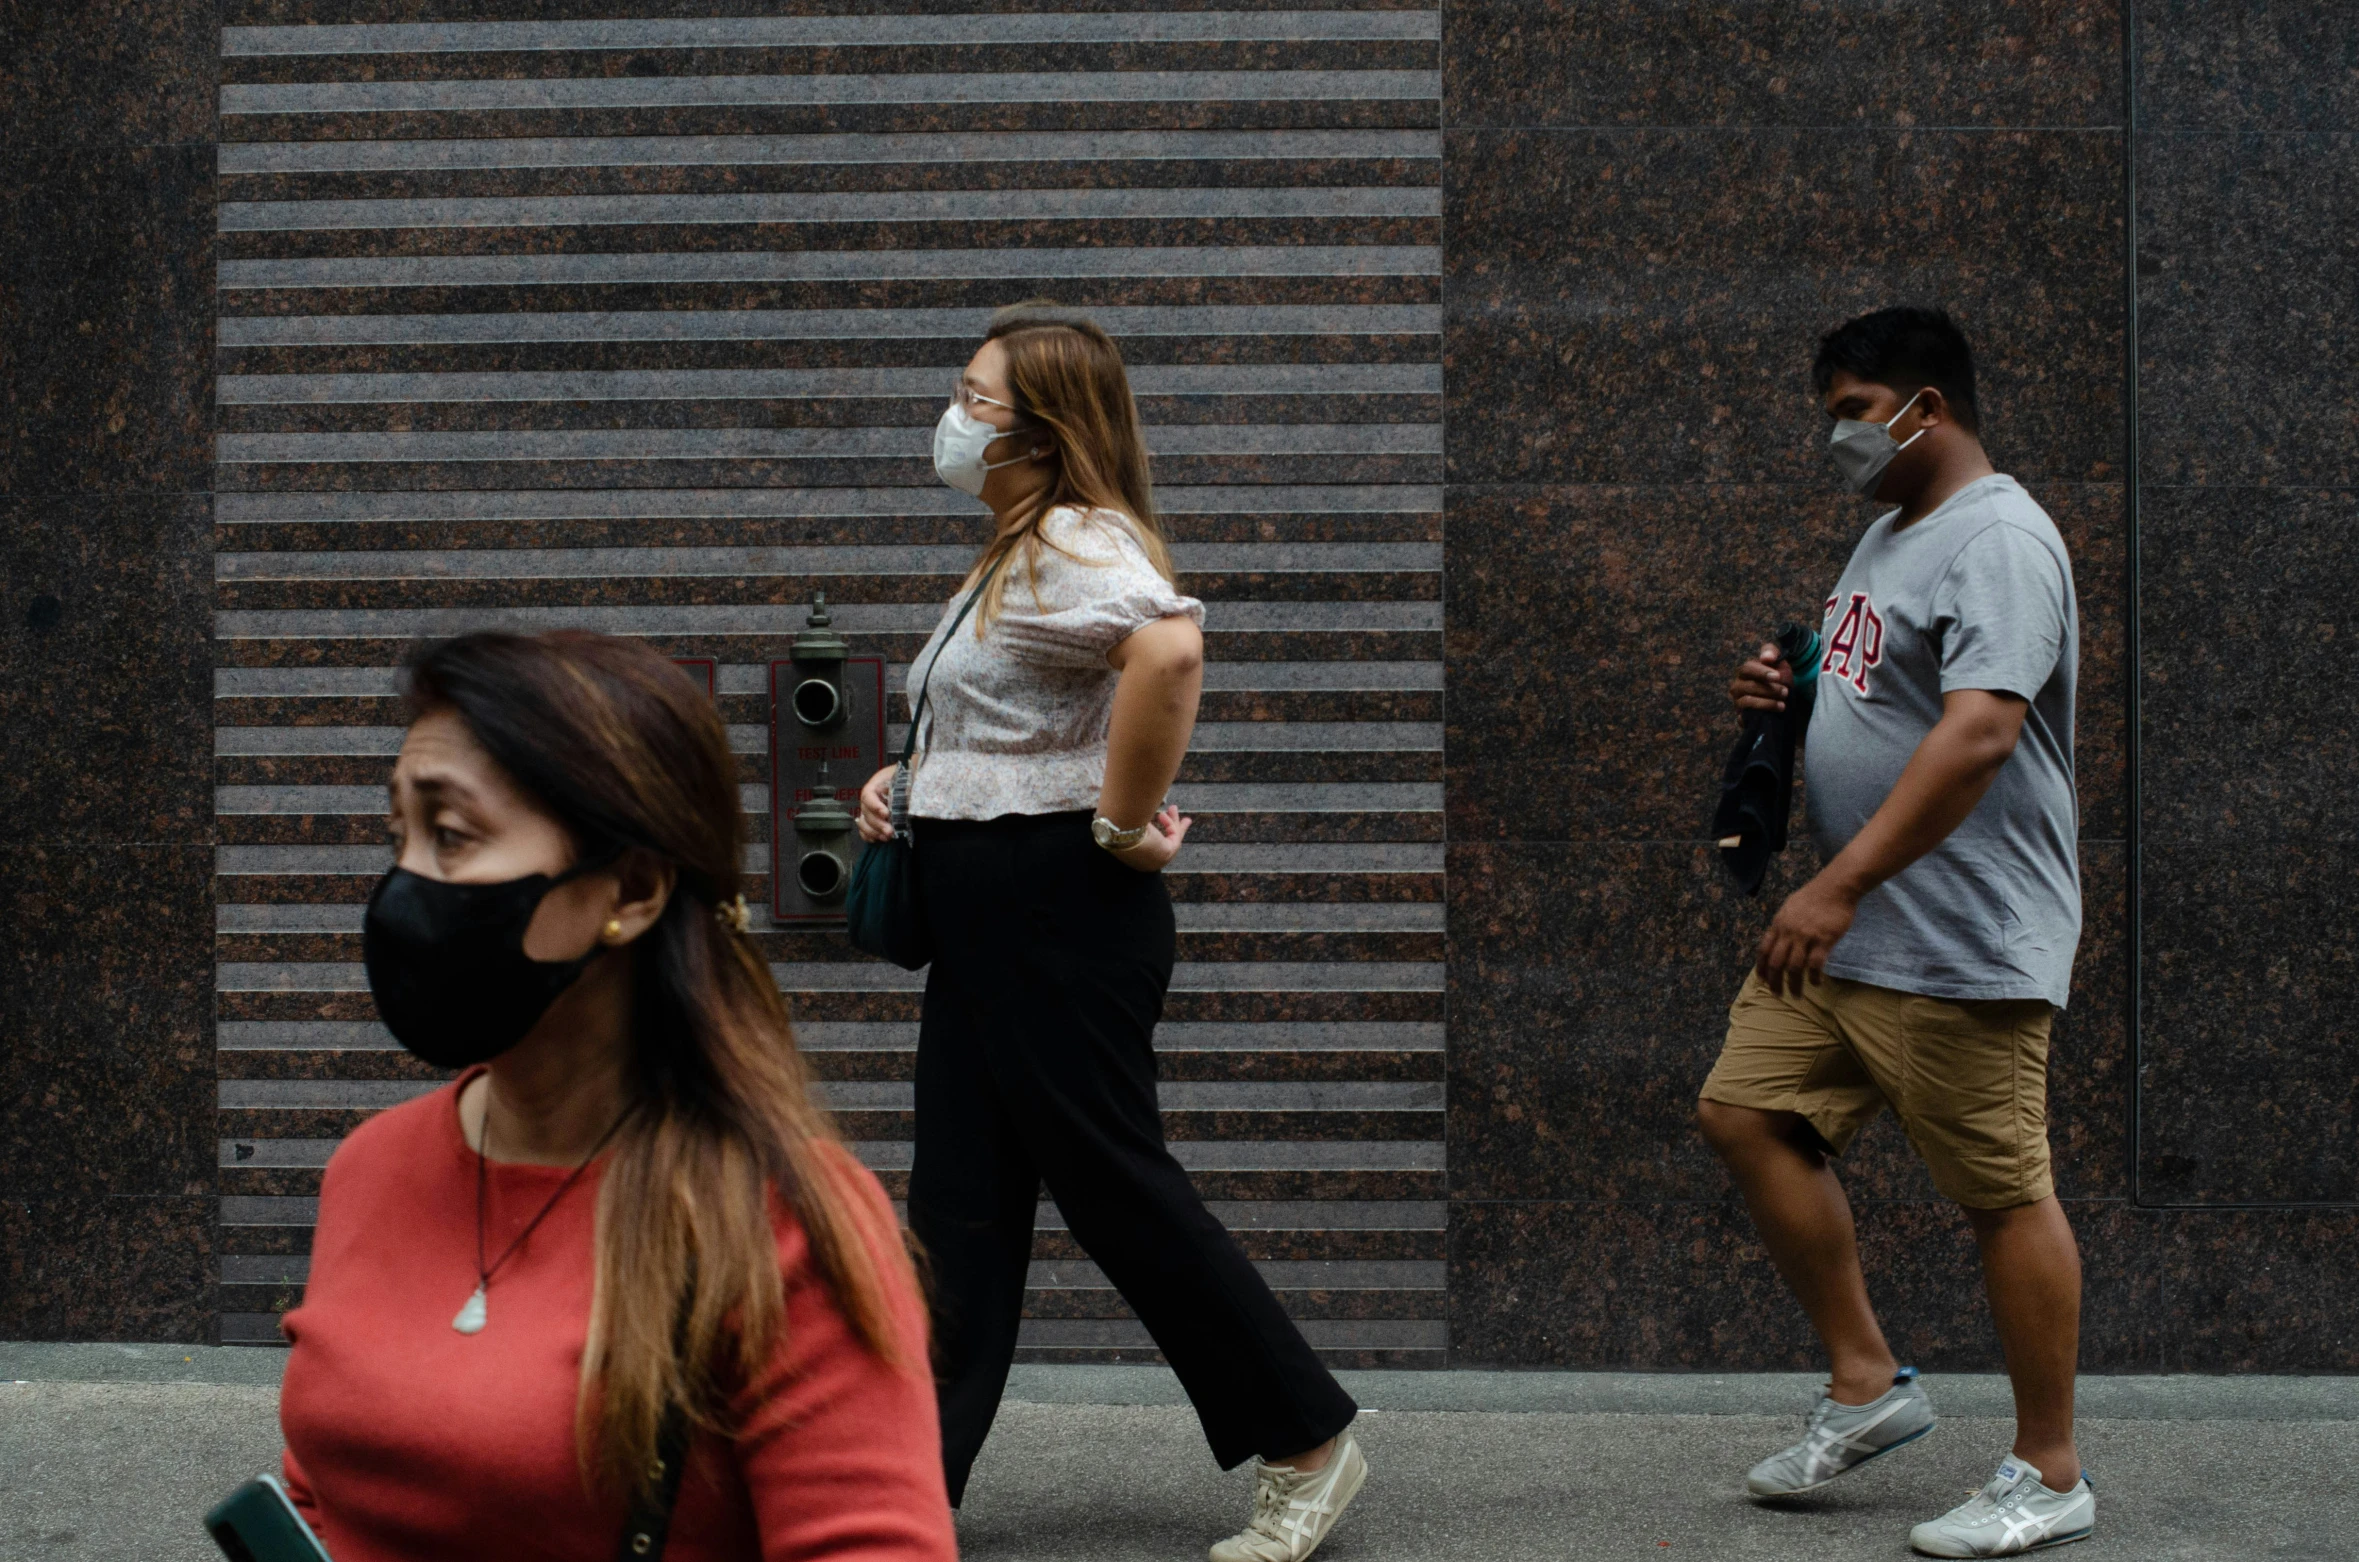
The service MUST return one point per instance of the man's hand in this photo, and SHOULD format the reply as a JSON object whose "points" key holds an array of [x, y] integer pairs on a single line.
{"points": [[1764, 682], [1805, 931]]}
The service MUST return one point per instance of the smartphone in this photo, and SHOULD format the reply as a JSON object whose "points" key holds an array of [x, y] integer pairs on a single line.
{"points": [[259, 1522]]}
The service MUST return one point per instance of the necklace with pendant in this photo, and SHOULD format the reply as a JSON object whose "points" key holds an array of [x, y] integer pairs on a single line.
{"points": [[475, 1314]]}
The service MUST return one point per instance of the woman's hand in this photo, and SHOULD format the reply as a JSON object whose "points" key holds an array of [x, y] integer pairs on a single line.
{"points": [[1160, 844], [876, 806]]}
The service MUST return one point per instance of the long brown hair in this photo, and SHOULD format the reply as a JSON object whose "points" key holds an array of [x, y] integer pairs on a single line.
{"points": [[1065, 374], [626, 752]]}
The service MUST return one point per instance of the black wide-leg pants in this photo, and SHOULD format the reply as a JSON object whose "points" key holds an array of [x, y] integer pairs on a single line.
{"points": [[1035, 1063]]}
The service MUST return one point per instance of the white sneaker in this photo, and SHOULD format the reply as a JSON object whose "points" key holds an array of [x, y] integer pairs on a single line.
{"points": [[1840, 1438], [2010, 1516], [1294, 1509]]}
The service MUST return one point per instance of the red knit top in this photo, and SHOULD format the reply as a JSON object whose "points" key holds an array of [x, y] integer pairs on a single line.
{"points": [[408, 1441]]}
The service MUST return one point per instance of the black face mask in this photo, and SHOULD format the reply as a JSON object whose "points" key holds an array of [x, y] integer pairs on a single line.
{"points": [[447, 966]]}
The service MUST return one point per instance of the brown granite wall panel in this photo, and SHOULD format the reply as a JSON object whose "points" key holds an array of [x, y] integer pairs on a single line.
{"points": [[2090, 1061], [105, 1003], [105, 73], [1589, 994], [108, 267], [2248, 185], [1687, 1287], [106, 1088], [1984, 62], [91, 1267], [2258, 1290], [1641, 305], [1650, 214], [2251, 642], [1598, 624], [2262, 65], [103, 670], [1592, 627], [2250, 987], [2247, 265]]}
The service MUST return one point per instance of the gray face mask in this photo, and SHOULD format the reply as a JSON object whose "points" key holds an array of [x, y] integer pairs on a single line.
{"points": [[1863, 450]]}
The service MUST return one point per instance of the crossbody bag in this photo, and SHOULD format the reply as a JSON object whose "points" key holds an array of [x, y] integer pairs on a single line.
{"points": [[883, 914]]}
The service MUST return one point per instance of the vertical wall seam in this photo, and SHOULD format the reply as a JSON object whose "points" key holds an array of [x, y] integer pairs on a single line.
{"points": [[2133, 900], [1441, 130]]}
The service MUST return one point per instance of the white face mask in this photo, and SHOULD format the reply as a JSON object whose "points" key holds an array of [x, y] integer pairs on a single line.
{"points": [[1863, 450], [960, 441]]}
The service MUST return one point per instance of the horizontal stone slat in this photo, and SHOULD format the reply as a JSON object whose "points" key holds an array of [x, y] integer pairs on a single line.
{"points": [[335, 811], [1240, 1155], [951, 562], [754, 678], [777, 621], [782, 444], [682, 325], [865, 265], [1312, 379], [349, 976], [231, 509], [840, 206], [1211, 737], [1309, 857], [661, 92], [822, 1035], [1321, 1334], [740, 151], [1080, 1274], [832, 32]]}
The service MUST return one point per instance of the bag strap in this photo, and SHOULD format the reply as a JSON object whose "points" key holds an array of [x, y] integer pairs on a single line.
{"points": [[898, 807], [917, 712], [650, 1522]]}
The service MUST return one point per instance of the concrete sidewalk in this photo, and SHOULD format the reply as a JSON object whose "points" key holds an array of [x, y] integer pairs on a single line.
{"points": [[110, 1452]]}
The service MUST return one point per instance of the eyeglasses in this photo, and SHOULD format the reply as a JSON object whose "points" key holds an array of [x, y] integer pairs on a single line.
{"points": [[964, 395]]}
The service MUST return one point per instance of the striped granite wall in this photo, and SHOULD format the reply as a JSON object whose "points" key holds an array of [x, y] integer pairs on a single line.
{"points": [[639, 324]]}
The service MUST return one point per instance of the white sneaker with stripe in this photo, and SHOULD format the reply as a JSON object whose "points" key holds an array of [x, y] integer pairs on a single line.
{"points": [[1840, 1438], [1294, 1509], [2014, 1514]]}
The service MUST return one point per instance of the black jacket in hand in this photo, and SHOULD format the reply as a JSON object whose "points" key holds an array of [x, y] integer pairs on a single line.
{"points": [[1757, 783]]}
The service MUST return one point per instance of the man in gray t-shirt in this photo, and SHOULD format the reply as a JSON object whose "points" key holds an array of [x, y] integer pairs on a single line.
{"points": [[1921, 967], [1976, 595]]}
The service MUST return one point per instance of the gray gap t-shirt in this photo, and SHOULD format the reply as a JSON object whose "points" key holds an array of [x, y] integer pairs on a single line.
{"points": [[1977, 595]]}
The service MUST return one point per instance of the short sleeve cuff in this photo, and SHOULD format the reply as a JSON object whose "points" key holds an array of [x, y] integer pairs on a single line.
{"points": [[2024, 683], [1126, 615]]}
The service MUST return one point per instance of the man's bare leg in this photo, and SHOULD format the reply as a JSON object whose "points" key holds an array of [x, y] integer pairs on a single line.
{"points": [[2032, 1269], [1797, 1204]]}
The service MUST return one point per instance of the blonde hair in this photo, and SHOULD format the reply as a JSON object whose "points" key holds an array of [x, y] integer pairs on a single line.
{"points": [[1065, 375], [726, 1136]]}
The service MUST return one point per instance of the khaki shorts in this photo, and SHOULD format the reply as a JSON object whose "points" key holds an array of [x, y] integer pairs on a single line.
{"points": [[1968, 1079]]}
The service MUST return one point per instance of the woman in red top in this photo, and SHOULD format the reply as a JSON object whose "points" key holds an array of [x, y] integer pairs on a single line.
{"points": [[627, 1201]]}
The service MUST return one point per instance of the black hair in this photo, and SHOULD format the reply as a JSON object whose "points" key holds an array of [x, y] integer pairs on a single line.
{"points": [[1907, 348]]}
